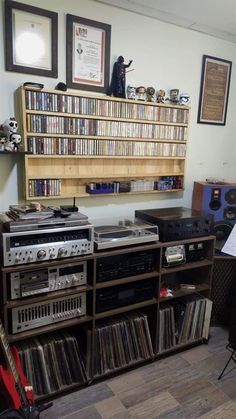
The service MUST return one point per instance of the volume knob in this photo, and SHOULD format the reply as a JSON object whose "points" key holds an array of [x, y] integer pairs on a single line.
{"points": [[41, 254]]}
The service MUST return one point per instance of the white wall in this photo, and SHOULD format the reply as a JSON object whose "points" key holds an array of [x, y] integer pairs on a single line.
{"points": [[164, 56]]}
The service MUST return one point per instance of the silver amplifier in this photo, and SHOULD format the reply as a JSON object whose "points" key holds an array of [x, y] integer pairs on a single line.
{"points": [[46, 312], [23, 247], [26, 283]]}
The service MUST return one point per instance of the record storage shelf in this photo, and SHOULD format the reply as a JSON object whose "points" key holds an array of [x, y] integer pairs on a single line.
{"points": [[78, 139], [197, 272]]}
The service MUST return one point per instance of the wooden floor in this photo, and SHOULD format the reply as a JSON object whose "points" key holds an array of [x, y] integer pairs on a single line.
{"points": [[182, 386]]}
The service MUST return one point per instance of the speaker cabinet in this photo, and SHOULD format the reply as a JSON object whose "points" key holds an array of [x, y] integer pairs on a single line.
{"points": [[223, 283], [220, 201]]}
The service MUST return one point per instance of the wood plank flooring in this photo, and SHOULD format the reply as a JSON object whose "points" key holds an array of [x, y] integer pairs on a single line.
{"points": [[183, 386]]}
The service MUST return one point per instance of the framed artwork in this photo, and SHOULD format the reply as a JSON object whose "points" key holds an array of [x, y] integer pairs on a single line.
{"points": [[30, 39], [88, 54], [214, 90]]}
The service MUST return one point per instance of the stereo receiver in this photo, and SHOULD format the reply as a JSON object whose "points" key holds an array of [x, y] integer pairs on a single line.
{"points": [[46, 312], [32, 282], [120, 266], [39, 245]]}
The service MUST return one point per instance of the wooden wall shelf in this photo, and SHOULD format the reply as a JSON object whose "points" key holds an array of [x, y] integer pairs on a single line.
{"points": [[78, 139]]}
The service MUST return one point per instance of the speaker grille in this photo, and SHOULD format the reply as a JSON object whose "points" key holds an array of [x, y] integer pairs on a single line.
{"points": [[230, 196], [224, 273], [230, 213]]}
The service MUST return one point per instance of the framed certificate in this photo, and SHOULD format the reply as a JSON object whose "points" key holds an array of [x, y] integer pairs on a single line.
{"points": [[214, 91], [88, 54], [30, 39]]}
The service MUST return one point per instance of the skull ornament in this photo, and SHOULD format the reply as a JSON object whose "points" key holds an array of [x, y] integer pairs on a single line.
{"points": [[12, 138], [10, 126]]}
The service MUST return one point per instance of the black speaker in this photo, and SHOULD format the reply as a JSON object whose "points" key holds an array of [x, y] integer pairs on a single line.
{"points": [[220, 201], [222, 230]]}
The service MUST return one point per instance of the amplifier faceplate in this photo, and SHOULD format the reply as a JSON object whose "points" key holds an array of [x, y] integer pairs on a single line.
{"points": [[178, 223], [35, 246]]}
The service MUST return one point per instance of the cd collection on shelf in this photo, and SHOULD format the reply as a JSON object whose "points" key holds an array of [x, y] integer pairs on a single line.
{"points": [[52, 102], [52, 187], [164, 183], [100, 147], [44, 187], [121, 139], [105, 128]]}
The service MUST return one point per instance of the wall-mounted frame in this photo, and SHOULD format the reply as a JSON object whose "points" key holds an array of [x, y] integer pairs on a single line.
{"points": [[214, 91], [30, 39], [88, 54]]}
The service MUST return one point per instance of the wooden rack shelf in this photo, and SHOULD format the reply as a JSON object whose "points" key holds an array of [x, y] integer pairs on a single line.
{"points": [[146, 321]]}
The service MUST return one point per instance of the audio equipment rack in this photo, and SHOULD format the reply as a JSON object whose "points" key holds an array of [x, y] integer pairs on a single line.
{"points": [[135, 315]]}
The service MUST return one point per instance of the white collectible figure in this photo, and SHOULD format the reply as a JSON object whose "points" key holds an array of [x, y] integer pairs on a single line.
{"points": [[13, 139], [184, 99], [131, 92]]}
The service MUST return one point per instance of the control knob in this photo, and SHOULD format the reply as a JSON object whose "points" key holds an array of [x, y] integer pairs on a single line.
{"points": [[62, 252], [41, 254]]}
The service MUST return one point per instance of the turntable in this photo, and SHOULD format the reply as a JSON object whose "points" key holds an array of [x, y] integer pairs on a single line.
{"points": [[124, 232]]}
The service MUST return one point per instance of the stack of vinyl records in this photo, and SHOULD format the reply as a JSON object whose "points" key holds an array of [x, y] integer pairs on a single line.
{"points": [[192, 317], [52, 362], [120, 341], [167, 338]]}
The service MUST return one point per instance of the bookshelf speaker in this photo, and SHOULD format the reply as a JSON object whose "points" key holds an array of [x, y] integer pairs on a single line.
{"points": [[220, 201]]}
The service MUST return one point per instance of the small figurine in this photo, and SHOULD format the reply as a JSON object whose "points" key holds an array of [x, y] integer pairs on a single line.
{"points": [[150, 94], [161, 96], [141, 91], [61, 86], [184, 99], [174, 95], [13, 139], [117, 87], [2, 141], [131, 92]]}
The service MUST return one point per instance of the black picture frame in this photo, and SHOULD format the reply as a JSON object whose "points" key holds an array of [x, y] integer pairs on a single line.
{"points": [[214, 90], [88, 61], [19, 18]]}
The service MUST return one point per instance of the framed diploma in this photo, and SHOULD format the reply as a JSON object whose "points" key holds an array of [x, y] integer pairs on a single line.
{"points": [[88, 54], [214, 91], [30, 39]]}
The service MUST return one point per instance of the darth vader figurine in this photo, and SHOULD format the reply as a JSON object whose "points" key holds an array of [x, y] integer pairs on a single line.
{"points": [[117, 87]]}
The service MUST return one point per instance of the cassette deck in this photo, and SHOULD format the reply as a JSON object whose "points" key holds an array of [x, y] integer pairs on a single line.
{"points": [[33, 282]]}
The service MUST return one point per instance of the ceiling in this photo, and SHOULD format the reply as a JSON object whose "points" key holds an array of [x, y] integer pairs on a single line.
{"points": [[212, 17]]}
